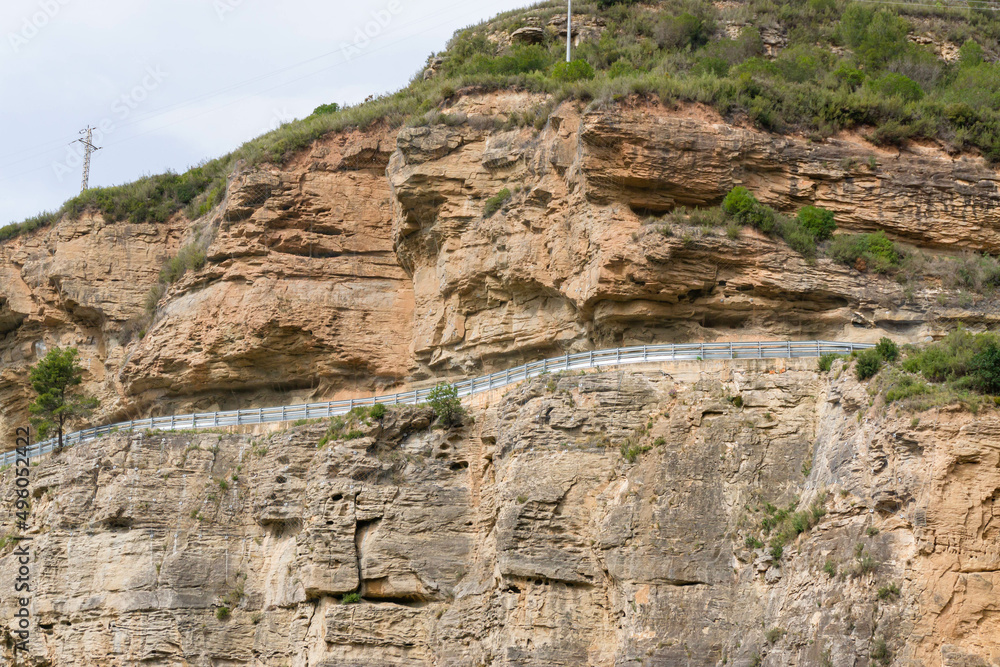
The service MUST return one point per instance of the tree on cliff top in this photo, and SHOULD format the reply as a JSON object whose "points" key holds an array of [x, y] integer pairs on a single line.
{"points": [[55, 379]]}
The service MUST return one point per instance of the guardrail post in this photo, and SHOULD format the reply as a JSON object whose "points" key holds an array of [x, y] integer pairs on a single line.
{"points": [[618, 355], [171, 422], [760, 353], [644, 353], [731, 351], [545, 365], [567, 361], [260, 415], [591, 364], [788, 348], [215, 418], [282, 413], [506, 376]]}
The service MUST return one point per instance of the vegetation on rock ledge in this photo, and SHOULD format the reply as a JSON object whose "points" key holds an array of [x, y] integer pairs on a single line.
{"points": [[845, 65]]}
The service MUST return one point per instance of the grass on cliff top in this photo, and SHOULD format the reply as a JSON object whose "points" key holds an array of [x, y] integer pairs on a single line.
{"points": [[845, 65]]}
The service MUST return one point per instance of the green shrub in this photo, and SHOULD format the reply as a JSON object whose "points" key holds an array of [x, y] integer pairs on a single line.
{"points": [[774, 634], [739, 202], [876, 35], [798, 238], [818, 221], [891, 84], [621, 68], [849, 76], [29, 225], [190, 257], [865, 251], [222, 613], [322, 109], [712, 66], [869, 363], [684, 31], [743, 206], [962, 359], [887, 349], [880, 652], [826, 361], [985, 368], [971, 54], [378, 411], [496, 202], [351, 598], [904, 387], [830, 568], [630, 451], [576, 70], [886, 592], [444, 400]]}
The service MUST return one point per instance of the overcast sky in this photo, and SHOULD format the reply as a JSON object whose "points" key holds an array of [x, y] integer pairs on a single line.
{"points": [[175, 82]]}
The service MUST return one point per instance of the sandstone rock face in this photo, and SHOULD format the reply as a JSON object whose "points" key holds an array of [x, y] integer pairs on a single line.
{"points": [[583, 519], [76, 284], [302, 287], [368, 261]]}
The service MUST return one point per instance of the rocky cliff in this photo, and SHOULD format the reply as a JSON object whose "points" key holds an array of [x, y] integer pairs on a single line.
{"points": [[578, 519], [368, 261]]}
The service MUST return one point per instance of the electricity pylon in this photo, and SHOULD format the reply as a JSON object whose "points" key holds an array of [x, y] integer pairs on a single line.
{"points": [[88, 148]]}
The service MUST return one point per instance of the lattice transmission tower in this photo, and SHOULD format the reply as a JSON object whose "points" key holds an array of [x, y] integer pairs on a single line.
{"points": [[88, 148]]}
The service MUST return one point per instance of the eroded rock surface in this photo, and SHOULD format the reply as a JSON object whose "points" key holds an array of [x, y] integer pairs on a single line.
{"points": [[582, 519]]}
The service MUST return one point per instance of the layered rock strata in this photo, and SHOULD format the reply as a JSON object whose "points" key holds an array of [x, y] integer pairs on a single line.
{"points": [[369, 260], [580, 519]]}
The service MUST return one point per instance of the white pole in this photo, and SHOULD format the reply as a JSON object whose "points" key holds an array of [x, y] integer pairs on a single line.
{"points": [[569, 27]]}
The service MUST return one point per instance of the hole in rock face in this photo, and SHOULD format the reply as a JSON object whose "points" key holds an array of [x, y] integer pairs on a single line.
{"points": [[459, 465], [337, 496], [280, 479]]}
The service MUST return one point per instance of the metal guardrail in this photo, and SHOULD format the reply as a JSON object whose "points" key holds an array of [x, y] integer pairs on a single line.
{"points": [[614, 357]]}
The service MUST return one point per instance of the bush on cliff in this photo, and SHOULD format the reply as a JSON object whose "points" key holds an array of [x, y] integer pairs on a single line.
{"points": [[801, 233], [869, 363], [963, 359], [875, 252], [444, 401], [818, 221]]}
